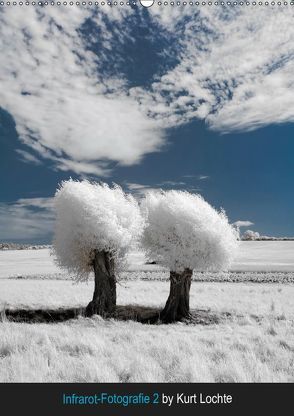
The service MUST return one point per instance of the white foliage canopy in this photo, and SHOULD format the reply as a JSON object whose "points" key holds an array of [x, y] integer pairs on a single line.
{"points": [[183, 231], [250, 235], [91, 216]]}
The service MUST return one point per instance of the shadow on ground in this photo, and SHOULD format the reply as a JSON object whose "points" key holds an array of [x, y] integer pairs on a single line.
{"points": [[146, 315]]}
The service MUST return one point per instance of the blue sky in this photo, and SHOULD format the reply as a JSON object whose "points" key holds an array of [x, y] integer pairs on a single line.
{"points": [[183, 99]]}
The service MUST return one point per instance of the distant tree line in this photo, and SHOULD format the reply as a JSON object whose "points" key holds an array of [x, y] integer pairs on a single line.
{"points": [[19, 246], [250, 235]]}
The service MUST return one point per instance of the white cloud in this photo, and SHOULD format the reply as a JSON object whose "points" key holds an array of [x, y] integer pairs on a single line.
{"points": [[241, 223], [140, 190], [137, 189], [41, 203], [27, 220], [136, 186], [171, 183], [28, 157], [236, 68], [63, 108], [235, 71]]}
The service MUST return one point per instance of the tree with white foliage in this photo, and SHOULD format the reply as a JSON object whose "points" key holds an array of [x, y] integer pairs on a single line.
{"points": [[95, 225], [250, 235], [184, 233]]}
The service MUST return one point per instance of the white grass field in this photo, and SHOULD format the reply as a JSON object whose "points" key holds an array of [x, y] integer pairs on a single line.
{"points": [[251, 338], [263, 256]]}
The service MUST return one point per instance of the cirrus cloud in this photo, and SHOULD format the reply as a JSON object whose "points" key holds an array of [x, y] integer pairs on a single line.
{"points": [[27, 219]]}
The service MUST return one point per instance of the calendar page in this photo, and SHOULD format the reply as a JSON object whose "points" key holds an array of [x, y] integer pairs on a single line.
{"points": [[146, 206]]}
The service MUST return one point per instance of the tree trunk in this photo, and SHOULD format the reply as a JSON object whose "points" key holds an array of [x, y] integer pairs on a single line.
{"points": [[177, 305], [104, 298]]}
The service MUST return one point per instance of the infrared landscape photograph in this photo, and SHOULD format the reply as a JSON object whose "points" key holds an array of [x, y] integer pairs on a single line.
{"points": [[146, 193]]}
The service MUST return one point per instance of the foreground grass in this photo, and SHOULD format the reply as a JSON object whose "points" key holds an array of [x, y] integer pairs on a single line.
{"points": [[255, 343], [94, 350]]}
